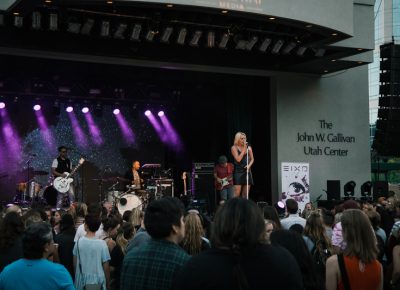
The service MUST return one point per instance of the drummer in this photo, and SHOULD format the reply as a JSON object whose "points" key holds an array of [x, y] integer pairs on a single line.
{"points": [[134, 176]]}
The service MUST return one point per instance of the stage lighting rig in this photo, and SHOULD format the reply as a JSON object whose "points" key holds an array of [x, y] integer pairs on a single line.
{"points": [[348, 189]]}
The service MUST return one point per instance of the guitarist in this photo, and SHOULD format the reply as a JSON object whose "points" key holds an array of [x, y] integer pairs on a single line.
{"points": [[60, 165], [223, 174]]}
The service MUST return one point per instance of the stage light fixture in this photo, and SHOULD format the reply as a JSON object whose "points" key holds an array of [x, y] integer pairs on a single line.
{"points": [[182, 36], [36, 20], [87, 27], [150, 35], [319, 52], [211, 39], [53, 22], [161, 113], [2, 105], [116, 111], [289, 47], [85, 110], [265, 44], [280, 208], [74, 27], [105, 29], [196, 37], [241, 44], [69, 109], [119, 33], [147, 113], [348, 189], [166, 34], [36, 107], [366, 189], [277, 46], [135, 36], [224, 40], [250, 44], [301, 50], [18, 21]]}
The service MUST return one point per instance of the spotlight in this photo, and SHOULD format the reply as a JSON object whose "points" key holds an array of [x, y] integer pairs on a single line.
{"points": [[277, 46], [53, 22], [241, 44], [264, 45], [69, 109], [166, 34], [211, 39], [105, 29], [224, 40], [182, 36], [288, 48], [147, 113], [349, 189], [136, 32], [301, 50], [2, 105], [366, 189], [280, 208], [161, 113], [250, 44], [116, 111], [319, 52], [85, 110], [37, 107], [150, 35], [87, 27], [18, 21], [74, 27], [36, 20], [196, 37], [119, 33]]}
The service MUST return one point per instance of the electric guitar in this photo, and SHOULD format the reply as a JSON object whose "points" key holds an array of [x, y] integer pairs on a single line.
{"points": [[62, 184], [222, 184]]}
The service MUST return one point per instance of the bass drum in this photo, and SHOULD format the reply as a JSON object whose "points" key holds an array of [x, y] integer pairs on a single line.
{"points": [[50, 195], [129, 202]]}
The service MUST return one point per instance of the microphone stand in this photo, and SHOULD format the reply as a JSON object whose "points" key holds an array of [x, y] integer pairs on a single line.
{"points": [[247, 172]]}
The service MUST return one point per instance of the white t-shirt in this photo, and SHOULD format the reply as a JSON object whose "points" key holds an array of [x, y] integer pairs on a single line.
{"points": [[80, 232]]}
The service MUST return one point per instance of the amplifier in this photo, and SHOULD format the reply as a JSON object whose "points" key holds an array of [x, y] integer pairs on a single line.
{"points": [[203, 167]]}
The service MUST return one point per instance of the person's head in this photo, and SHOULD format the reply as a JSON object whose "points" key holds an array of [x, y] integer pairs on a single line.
{"points": [[11, 227], [14, 208], [31, 216], [374, 218], [66, 222], [163, 219], [308, 206], [62, 150], [57, 216], [111, 225], [49, 213], [238, 224], [294, 243], [94, 209], [135, 165], [136, 217], [81, 209], [92, 223], [350, 204], [269, 228], [37, 241], [222, 160], [292, 207], [359, 235], [315, 227], [124, 234], [240, 139], [126, 216], [298, 228], [270, 213], [193, 233]]}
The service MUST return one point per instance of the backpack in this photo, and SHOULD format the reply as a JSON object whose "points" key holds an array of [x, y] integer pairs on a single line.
{"points": [[320, 253]]}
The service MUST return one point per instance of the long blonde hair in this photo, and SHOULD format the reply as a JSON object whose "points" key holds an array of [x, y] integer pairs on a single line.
{"points": [[136, 217], [359, 236], [237, 137], [193, 233], [315, 229]]}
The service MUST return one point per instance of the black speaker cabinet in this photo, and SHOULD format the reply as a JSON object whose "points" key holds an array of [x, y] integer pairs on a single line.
{"points": [[204, 189], [333, 189]]}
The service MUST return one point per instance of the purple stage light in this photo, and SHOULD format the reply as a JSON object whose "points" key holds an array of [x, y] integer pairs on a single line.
{"points": [[116, 111], [147, 113], [85, 110], [37, 107], [94, 130], [161, 113], [126, 130], [2, 105], [79, 136], [45, 131], [69, 109], [173, 138]]}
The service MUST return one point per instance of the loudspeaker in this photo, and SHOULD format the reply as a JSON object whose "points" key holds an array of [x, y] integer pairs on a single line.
{"points": [[204, 189], [333, 189], [381, 188], [386, 139]]}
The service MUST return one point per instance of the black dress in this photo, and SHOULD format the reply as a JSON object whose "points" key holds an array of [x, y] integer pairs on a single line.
{"points": [[239, 171]]}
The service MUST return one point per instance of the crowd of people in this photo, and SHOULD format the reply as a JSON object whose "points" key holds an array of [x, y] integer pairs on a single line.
{"points": [[354, 246]]}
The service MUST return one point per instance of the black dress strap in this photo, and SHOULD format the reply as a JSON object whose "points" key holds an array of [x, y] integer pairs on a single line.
{"points": [[343, 272]]}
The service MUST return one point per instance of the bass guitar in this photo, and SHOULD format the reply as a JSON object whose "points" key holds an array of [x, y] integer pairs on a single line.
{"points": [[62, 184]]}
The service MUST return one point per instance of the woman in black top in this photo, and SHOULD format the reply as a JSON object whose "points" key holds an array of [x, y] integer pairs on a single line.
{"points": [[11, 228]]}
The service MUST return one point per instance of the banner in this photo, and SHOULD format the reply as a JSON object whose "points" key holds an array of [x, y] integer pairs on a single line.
{"points": [[295, 183]]}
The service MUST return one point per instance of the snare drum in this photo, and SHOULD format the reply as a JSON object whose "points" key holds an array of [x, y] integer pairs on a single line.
{"points": [[129, 202]]}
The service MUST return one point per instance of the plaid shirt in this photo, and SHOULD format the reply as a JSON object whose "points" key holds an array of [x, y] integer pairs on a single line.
{"points": [[152, 266]]}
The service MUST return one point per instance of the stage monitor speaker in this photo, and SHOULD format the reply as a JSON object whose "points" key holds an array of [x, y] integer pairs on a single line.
{"points": [[381, 188], [333, 189], [204, 189]]}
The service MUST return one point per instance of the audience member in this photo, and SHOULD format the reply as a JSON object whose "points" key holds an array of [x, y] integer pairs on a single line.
{"points": [[293, 217], [11, 229]]}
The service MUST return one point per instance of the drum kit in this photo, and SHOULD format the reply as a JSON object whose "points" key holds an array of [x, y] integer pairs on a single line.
{"points": [[31, 190]]}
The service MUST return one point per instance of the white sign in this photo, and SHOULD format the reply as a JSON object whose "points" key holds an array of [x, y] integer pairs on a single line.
{"points": [[295, 182]]}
